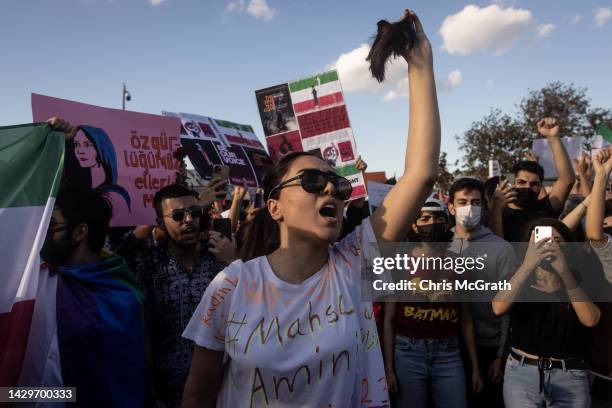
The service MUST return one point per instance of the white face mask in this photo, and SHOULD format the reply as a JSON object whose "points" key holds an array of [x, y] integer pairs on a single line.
{"points": [[468, 216]]}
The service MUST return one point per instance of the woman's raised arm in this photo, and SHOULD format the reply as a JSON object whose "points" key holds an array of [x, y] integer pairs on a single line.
{"points": [[392, 219]]}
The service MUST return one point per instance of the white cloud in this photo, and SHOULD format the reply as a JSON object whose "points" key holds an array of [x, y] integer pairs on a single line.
{"points": [[454, 78], [545, 30], [258, 9], [234, 6], [602, 15], [156, 2], [451, 82], [355, 76], [354, 71], [575, 19], [400, 91], [447, 84], [491, 28], [503, 3]]}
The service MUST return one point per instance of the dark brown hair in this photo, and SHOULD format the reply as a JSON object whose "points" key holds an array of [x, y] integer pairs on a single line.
{"points": [[170, 191], [262, 234], [86, 206], [392, 39]]}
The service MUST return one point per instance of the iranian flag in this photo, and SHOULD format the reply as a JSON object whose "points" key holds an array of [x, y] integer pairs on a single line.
{"points": [[31, 160], [316, 92]]}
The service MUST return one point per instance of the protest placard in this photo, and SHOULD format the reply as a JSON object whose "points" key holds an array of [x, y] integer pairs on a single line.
{"points": [[309, 114], [128, 156], [573, 146], [208, 141], [598, 143]]}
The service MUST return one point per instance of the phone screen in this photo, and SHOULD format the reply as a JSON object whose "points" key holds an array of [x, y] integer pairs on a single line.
{"points": [[259, 199]]}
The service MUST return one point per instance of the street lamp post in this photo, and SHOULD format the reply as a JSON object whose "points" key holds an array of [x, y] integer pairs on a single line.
{"points": [[125, 96]]}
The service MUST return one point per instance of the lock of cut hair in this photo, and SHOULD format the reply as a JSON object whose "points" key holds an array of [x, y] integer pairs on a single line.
{"points": [[392, 39]]}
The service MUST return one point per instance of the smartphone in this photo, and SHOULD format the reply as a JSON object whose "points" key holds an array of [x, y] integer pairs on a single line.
{"points": [[510, 178], [259, 198], [543, 232], [223, 225], [494, 169]]}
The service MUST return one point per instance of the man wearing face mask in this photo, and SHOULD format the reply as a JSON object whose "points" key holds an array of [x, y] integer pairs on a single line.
{"points": [[87, 327], [173, 276], [528, 184], [471, 239]]}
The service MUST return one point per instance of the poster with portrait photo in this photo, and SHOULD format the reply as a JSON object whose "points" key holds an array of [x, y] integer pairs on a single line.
{"points": [[276, 110], [126, 156]]}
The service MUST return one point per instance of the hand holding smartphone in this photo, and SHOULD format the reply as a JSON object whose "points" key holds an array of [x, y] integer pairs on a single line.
{"points": [[543, 233]]}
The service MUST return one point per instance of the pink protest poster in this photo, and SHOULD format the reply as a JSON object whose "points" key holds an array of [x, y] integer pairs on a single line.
{"points": [[127, 156]]}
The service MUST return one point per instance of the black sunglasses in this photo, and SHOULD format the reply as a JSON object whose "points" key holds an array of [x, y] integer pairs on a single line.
{"points": [[178, 214], [314, 181]]}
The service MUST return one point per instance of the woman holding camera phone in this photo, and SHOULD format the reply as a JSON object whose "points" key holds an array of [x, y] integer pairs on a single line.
{"points": [[548, 337]]}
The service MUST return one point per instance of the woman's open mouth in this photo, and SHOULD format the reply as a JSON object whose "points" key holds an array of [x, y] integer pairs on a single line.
{"points": [[329, 212]]}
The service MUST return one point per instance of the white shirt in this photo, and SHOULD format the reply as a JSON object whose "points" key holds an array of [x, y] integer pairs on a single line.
{"points": [[312, 344]]}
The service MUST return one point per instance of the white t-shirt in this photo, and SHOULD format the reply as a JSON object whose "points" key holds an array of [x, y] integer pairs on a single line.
{"points": [[312, 344]]}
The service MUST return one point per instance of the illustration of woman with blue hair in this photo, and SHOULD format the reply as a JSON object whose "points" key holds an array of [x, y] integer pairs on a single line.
{"points": [[94, 163]]}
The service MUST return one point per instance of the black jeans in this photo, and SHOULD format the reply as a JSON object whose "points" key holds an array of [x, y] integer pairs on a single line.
{"points": [[492, 395]]}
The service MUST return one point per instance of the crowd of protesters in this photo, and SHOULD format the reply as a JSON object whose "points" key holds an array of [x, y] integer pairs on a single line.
{"points": [[273, 315]]}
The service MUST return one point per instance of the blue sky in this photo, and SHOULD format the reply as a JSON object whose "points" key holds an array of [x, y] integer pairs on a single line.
{"points": [[208, 57]]}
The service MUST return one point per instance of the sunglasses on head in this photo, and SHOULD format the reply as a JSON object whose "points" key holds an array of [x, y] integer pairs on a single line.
{"points": [[178, 214], [314, 181]]}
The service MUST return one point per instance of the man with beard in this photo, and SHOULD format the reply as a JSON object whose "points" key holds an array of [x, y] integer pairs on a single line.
{"points": [[87, 327], [174, 275], [528, 184]]}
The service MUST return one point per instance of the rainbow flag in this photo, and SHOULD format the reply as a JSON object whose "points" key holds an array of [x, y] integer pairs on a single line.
{"points": [[79, 326]]}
